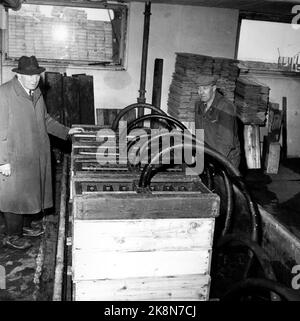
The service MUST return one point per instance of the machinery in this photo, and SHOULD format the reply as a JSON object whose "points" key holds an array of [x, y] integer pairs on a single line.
{"points": [[148, 232], [131, 242]]}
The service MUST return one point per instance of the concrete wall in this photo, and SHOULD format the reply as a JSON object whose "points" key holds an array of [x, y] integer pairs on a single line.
{"points": [[173, 28]]}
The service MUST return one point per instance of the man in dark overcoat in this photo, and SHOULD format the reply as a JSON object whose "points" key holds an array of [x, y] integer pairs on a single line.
{"points": [[216, 115], [25, 159]]}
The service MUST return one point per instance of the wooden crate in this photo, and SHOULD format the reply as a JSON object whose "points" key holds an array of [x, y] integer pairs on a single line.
{"points": [[129, 246]]}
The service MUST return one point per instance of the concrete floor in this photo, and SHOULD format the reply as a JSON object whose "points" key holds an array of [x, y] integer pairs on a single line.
{"points": [[279, 194], [30, 273]]}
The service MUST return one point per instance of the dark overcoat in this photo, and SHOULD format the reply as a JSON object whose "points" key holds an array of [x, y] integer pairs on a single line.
{"points": [[220, 127], [24, 144]]}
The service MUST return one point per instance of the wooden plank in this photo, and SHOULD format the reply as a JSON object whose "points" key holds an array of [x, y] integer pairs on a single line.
{"points": [[157, 82], [86, 99], [53, 95], [179, 288], [157, 87], [274, 123], [252, 146], [145, 206], [273, 158], [106, 116], [95, 264], [147, 235], [71, 100], [284, 128]]}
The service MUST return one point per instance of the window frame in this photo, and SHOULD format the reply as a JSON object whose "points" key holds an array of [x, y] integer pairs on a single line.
{"points": [[79, 64], [268, 17]]}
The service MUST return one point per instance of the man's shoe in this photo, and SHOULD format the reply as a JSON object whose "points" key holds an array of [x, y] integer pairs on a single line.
{"points": [[32, 231], [37, 224], [16, 242]]}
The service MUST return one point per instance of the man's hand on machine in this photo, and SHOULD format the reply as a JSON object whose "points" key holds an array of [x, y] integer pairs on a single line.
{"points": [[75, 130], [5, 169]]}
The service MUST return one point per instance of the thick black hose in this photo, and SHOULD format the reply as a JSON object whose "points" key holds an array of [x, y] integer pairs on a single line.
{"points": [[169, 119], [262, 257], [234, 173], [125, 110], [247, 286], [209, 175], [229, 205], [160, 135]]}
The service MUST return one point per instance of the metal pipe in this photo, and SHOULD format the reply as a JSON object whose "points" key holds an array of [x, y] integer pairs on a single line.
{"points": [[157, 84], [60, 258], [142, 91], [157, 81]]}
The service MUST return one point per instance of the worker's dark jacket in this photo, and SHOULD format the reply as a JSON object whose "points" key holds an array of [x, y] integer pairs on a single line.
{"points": [[220, 127], [24, 144]]}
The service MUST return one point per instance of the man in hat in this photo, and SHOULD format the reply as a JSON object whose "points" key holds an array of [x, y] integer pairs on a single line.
{"points": [[216, 115], [25, 161]]}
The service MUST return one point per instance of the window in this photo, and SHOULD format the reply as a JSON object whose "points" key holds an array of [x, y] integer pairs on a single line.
{"points": [[68, 34], [277, 41]]}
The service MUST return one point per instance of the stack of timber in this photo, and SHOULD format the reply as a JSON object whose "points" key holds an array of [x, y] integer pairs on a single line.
{"points": [[227, 71], [251, 100], [183, 91]]}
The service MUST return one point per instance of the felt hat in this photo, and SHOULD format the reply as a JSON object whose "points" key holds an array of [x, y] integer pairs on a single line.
{"points": [[28, 66], [206, 80]]}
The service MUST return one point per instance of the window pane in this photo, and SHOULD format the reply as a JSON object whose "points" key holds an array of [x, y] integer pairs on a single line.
{"points": [[266, 41], [64, 33]]}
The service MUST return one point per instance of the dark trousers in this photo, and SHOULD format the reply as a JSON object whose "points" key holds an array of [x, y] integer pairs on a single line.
{"points": [[14, 223]]}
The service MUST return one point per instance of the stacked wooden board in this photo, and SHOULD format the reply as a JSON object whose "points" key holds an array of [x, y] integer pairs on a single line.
{"points": [[130, 244], [251, 100], [184, 88], [227, 71]]}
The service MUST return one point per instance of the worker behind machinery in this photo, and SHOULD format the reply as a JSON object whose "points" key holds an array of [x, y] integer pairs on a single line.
{"points": [[25, 161], [216, 115]]}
